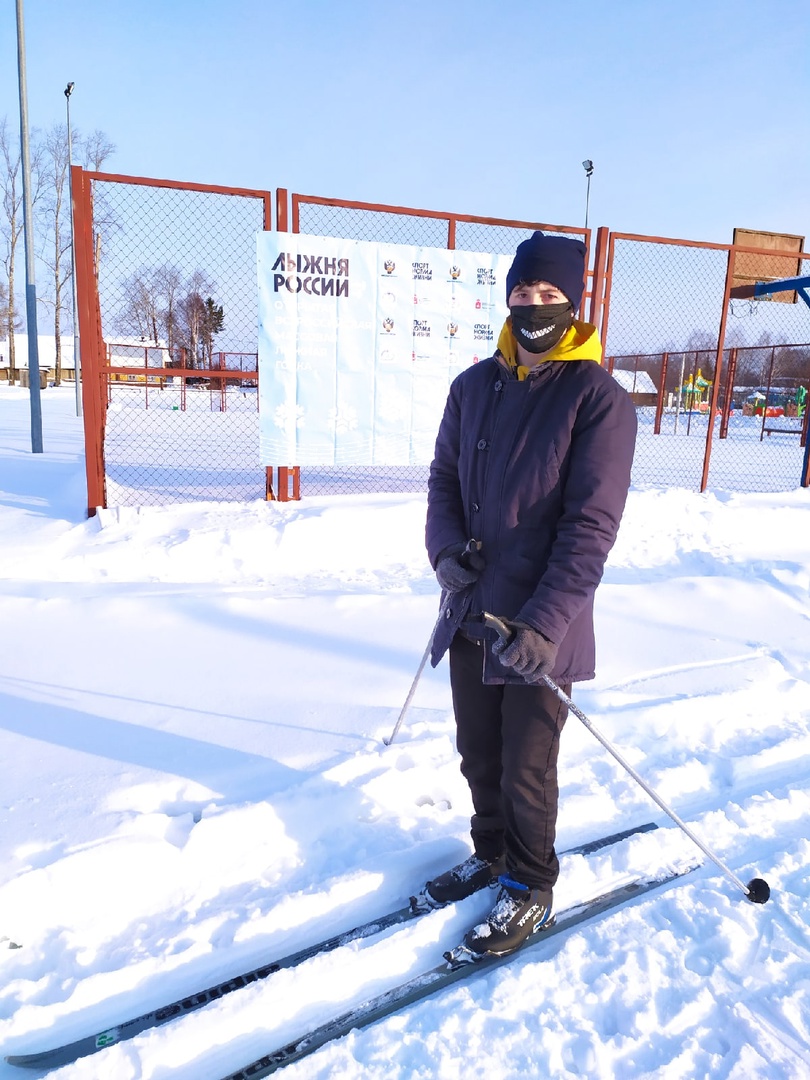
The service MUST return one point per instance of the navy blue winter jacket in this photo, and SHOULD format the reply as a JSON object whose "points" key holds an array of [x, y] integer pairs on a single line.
{"points": [[538, 470]]}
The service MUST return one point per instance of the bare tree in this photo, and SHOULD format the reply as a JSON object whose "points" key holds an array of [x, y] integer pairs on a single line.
{"points": [[55, 217], [55, 212], [95, 149], [191, 312], [4, 312], [150, 308], [163, 309], [142, 310], [195, 331], [11, 228], [168, 282], [213, 324], [12, 223]]}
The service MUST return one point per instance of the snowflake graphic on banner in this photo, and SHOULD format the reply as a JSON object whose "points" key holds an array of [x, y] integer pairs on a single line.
{"points": [[288, 417], [343, 419]]}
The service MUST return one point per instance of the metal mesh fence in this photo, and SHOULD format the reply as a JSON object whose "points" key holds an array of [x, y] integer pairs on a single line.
{"points": [[499, 239], [359, 223], [397, 227], [176, 271], [665, 305], [766, 380]]}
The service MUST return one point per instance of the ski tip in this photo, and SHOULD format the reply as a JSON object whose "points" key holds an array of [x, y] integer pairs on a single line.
{"points": [[758, 891]]}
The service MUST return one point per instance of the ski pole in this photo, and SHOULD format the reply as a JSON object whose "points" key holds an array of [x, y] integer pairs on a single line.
{"points": [[418, 674], [757, 890], [469, 557]]}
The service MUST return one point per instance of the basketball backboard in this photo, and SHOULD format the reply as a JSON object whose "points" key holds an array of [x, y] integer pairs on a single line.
{"points": [[750, 267]]}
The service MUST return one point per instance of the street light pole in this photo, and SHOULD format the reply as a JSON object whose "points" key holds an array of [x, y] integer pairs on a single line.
{"points": [[28, 227], [587, 165], [77, 365]]}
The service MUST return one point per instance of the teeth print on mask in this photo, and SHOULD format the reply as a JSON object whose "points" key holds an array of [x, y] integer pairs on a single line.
{"points": [[538, 327]]}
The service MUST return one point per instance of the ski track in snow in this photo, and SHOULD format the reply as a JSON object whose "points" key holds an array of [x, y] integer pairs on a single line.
{"points": [[192, 706]]}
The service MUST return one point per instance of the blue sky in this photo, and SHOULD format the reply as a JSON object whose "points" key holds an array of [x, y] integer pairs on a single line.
{"points": [[693, 111]]}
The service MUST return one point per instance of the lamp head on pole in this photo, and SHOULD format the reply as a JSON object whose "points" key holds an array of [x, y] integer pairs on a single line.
{"points": [[69, 89], [587, 164]]}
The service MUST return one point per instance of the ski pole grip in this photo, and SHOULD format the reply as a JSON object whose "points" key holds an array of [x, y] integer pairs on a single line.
{"points": [[471, 556], [504, 632]]}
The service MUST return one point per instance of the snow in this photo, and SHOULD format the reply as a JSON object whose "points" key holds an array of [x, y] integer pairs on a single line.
{"points": [[193, 701]]}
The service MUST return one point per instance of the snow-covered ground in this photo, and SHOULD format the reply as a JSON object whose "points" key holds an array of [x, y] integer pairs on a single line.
{"points": [[193, 701]]}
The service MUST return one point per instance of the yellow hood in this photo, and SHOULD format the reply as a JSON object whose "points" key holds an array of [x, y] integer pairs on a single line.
{"points": [[579, 342]]}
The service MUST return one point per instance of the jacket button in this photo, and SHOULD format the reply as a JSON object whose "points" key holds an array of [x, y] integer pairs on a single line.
{"points": [[482, 444], [448, 613], [499, 385], [476, 508]]}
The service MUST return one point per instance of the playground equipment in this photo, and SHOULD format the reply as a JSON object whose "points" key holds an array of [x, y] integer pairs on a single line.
{"points": [[762, 290]]}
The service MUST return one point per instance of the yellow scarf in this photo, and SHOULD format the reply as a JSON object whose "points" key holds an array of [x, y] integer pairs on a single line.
{"points": [[579, 342]]}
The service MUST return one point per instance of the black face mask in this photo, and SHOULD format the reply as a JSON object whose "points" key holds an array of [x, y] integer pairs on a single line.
{"points": [[538, 327]]}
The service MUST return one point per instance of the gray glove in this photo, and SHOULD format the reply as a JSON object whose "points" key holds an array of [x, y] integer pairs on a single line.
{"points": [[457, 569], [528, 653]]}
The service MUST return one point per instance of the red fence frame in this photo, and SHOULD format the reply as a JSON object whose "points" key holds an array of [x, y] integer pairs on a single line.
{"points": [[733, 250], [595, 293], [96, 367], [94, 361]]}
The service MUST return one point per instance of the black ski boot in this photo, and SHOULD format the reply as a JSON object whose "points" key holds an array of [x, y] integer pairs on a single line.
{"points": [[458, 883], [519, 911]]}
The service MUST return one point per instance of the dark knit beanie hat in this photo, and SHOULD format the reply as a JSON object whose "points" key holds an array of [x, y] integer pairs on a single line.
{"points": [[556, 259]]}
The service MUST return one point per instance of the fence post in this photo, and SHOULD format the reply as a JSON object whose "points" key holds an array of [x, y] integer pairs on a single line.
{"points": [[604, 318], [598, 279], [805, 442], [718, 369], [767, 394], [283, 493], [93, 408], [730, 377], [659, 407], [281, 213]]}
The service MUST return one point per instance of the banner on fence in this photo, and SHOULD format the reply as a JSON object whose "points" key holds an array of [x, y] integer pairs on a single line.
{"points": [[359, 342]]}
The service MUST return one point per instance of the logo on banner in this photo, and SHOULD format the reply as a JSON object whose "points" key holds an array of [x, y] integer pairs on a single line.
{"points": [[483, 305], [389, 266], [322, 274], [388, 324], [455, 272], [485, 276], [452, 329]]}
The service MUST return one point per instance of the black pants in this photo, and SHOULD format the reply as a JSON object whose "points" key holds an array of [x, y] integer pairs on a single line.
{"points": [[509, 739]]}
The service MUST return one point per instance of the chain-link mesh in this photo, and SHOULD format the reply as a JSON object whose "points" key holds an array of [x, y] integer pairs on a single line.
{"points": [[766, 378], [178, 301], [356, 223], [499, 239], [382, 226], [177, 292], [666, 302], [395, 227]]}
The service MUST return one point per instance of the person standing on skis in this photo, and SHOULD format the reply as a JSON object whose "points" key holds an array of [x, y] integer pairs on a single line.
{"points": [[532, 462]]}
